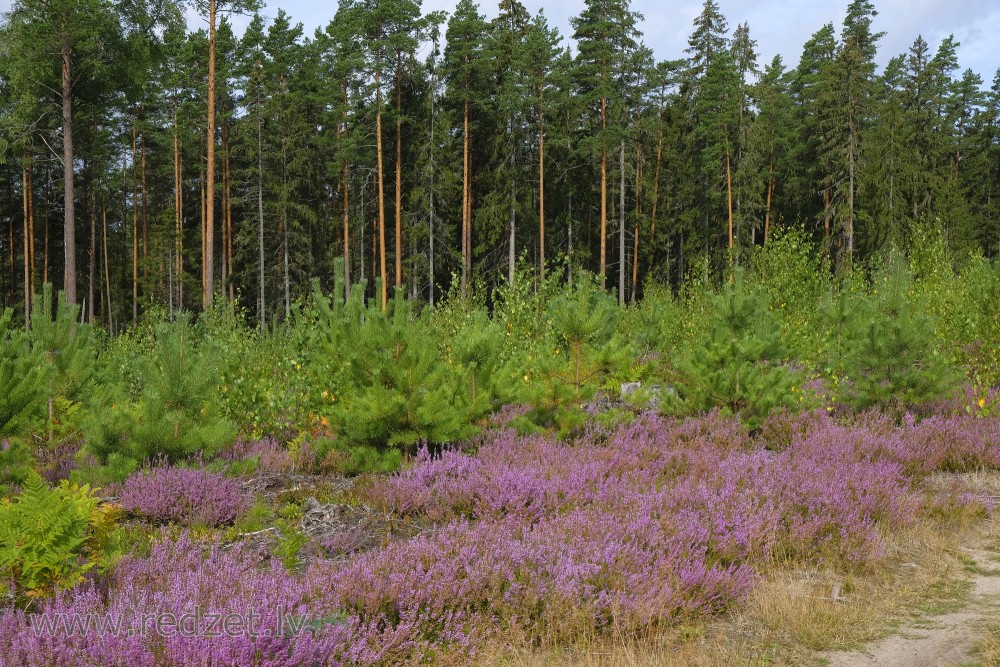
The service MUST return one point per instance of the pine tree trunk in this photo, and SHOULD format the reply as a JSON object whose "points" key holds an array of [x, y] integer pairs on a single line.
{"points": [[347, 237], [224, 265], [45, 227], [145, 208], [107, 270], [201, 194], [635, 234], [621, 228], [261, 304], [729, 203], [69, 201], [27, 246], [92, 259], [178, 216], [541, 194], [381, 190], [656, 186], [466, 209], [135, 230], [399, 173], [210, 168], [767, 210], [430, 219], [604, 197], [347, 185], [283, 212], [229, 228], [511, 251], [12, 270], [31, 229]]}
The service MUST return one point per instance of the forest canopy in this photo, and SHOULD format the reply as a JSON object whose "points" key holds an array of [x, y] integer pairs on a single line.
{"points": [[149, 166]]}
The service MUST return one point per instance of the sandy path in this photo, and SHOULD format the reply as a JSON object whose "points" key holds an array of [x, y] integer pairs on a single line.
{"points": [[940, 641]]}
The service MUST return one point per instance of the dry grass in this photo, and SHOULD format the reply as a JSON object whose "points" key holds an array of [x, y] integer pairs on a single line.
{"points": [[792, 613], [988, 649]]}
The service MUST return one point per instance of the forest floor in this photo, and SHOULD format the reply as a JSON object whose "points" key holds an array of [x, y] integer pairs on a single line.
{"points": [[934, 601]]}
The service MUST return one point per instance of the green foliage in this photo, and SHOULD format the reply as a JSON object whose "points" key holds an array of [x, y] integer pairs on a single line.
{"points": [[22, 387], [66, 353], [255, 378], [255, 519], [176, 413], [47, 537], [380, 374], [657, 325], [337, 457], [740, 365], [796, 279], [889, 357], [584, 354], [964, 303], [484, 366], [290, 543], [16, 465]]}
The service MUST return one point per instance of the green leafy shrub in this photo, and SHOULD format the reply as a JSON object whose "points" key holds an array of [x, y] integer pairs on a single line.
{"points": [[48, 537], [796, 278], [964, 303], [255, 381]]}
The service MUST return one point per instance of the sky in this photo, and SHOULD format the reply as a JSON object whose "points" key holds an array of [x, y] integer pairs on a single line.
{"points": [[779, 26]]}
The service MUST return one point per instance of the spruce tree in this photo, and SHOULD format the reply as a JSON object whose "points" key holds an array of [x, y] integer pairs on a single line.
{"points": [[849, 101], [768, 143], [808, 182]]}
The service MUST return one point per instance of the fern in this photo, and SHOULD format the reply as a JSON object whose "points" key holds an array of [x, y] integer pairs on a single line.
{"points": [[45, 536]]}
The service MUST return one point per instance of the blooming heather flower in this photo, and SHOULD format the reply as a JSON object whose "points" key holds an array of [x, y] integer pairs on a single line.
{"points": [[187, 496]]}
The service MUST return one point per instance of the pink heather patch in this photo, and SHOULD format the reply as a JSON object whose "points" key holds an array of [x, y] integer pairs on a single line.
{"points": [[187, 496], [651, 522]]}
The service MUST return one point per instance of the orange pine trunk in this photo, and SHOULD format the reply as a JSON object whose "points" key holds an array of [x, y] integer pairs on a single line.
{"points": [[135, 229], [399, 178], [604, 197], [381, 190], [210, 168], [729, 200], [541, 193]]}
